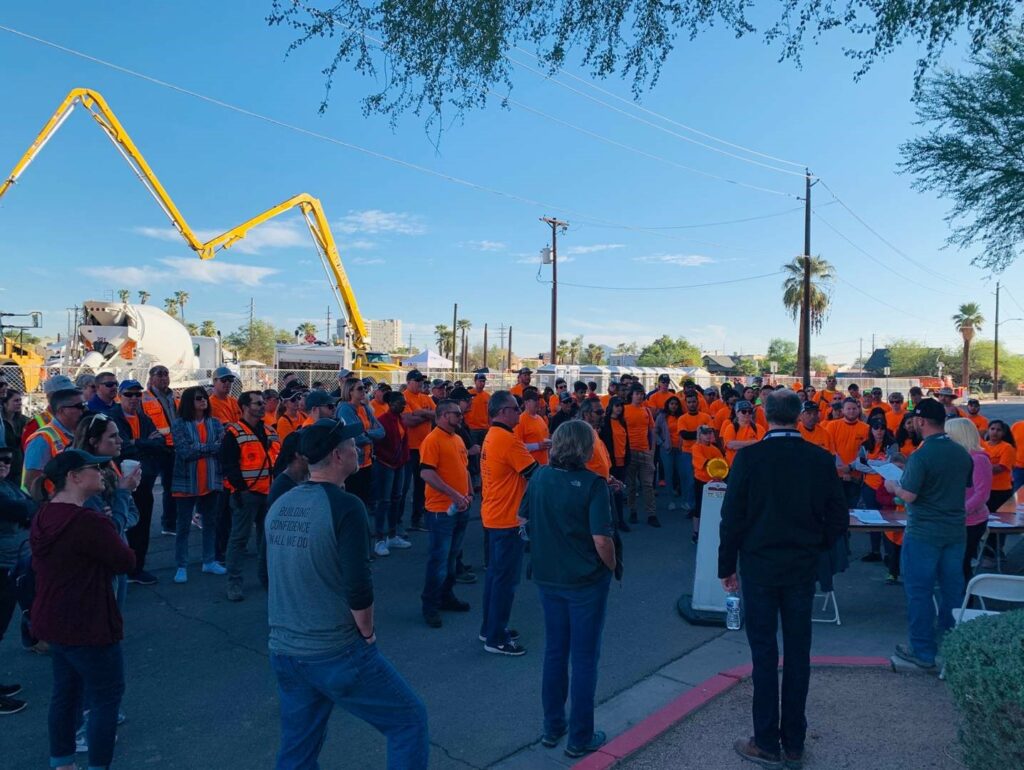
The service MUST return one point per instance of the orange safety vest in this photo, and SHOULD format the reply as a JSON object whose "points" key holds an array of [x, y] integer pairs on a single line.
{"points": [[257, 463], [154, 410], [55, 437]]}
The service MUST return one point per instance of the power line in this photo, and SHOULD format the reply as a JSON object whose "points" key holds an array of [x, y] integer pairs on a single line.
{"points": [[348, 145], [651, 124], [667, 119], [667, 288], [882, 301]]}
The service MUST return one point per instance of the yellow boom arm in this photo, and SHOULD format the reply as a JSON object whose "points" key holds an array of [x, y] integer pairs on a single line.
{"points": [[312, 210]]}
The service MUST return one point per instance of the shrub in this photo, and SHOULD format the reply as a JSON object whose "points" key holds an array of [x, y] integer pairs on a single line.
{"points": [[985, 671]]}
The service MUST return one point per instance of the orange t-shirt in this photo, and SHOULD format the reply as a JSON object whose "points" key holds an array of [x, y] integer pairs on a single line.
{"points": [[379, 407], [848, 438], [721, 418], [874, 480], [1001, 454], [600, 463], [673, 429], [1017, 431], [702, 455], [200, 465], [476, 415], [367, 450], [503, 459], [657, 399], [517, 389], [908, 448], [415, 402], [532, 429], [894, 419], [270, 419], [819, 437], [225, 409], [760, 418], [746, 433], [445, 453], [639, 422], [981, 423], [686, 427], [286, 425], [619, 442], [605, 399]]}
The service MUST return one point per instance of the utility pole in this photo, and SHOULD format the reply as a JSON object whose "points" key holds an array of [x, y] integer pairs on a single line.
{"points": [[329, 337], [252, 318], [805, 305], [410, 343], [995, 355], [485, 346], [455, 322], [873, 342], [508, 362], [501, 337], [860, 356], [555, 225]]}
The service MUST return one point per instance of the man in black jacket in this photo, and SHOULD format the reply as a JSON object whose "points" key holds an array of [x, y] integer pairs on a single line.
{"points": [[141, 441], [783, 508]]}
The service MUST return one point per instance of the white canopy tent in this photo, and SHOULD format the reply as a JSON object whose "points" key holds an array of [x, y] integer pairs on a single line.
{"points": [[428, 359]]}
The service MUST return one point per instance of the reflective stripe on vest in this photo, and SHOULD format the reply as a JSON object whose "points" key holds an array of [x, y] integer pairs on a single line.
{"points": [[155, 411], [57, 440], [255, 462]]}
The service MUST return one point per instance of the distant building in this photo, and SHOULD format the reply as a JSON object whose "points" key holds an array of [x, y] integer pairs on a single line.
{"points": [[386, 335], [622, 360], [721, 365]]}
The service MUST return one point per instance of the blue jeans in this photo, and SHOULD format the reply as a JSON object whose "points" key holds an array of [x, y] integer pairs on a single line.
{"points": [[85, 677], [682, 464], [573, 623], [923, 565], [504, 567], [364, 683], [403, 480], [762, 608], [388, 493], [446, 533], [207, 505]]}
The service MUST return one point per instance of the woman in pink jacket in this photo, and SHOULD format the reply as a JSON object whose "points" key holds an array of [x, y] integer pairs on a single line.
{"points": [[963, 432]]}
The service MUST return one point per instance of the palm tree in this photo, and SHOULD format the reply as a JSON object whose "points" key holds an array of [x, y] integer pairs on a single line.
{"points": [[143, 297], [562, 351], [181, 299], [594, 354], [171, 306], [967, 321], [208, 329], [822, 277], [575, 349], [306, 329], [124, 295], [463, 325], [445, 339]]}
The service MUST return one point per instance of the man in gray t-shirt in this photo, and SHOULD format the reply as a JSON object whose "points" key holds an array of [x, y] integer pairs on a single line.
{"points": [[933, 487], [320, 609]]}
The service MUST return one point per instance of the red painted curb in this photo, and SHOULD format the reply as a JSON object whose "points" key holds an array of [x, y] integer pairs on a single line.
{"points": [[644, 732]]}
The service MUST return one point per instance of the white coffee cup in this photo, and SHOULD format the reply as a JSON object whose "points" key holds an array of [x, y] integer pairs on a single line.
{"points": [[128, 466]]}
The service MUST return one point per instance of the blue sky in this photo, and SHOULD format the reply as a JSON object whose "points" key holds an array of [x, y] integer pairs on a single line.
{"points": [[78, 225]]}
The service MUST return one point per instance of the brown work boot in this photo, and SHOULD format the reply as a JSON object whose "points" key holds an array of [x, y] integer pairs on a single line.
{"points": [[749, 750], [794, 759]]}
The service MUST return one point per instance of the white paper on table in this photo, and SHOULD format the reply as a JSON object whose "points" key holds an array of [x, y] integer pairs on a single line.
{"points": [[995, 523], [867, 516], [889, 471], [857, 465]]}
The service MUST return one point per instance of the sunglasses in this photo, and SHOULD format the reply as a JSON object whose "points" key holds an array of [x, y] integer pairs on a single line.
{"points": [[80, 407], [226, 379], [109, 384], [131, 394], [6, 460], [255, 404], [361, 388], [201, 398], [745, 411], [895, 400]]}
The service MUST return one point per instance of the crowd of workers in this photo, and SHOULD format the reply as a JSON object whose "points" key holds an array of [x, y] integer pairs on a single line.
{"points": [[274, 466]]}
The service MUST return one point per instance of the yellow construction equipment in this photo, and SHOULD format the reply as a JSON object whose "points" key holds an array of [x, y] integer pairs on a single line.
{"points": [[20, 366], [312, 212]]}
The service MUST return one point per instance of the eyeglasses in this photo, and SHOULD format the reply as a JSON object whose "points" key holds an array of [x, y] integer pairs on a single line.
{"points": [[361, 388], [131, 394], [226, 379], [80, 407], [745, 411], [108, 384], [201, 398]]}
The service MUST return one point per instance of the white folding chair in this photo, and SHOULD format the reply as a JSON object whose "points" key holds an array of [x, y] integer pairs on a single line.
{"points": [[829, 596]]}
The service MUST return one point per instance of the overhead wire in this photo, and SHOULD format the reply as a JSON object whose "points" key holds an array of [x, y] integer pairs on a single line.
{"points": [[889, 305], [664, 288], [660, 116], [653, 125], [352, 146]]}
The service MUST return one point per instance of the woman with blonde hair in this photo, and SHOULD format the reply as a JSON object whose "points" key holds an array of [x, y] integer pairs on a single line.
{"points": [[568, 516], [964, 433]]}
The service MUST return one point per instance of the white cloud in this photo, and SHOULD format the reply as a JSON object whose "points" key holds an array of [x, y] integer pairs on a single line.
{"points": [[376, 221], [283, 234], [217, 271], [360, 244], [366, 261], [681, 260], [487, 245], [126, 276], [593, 248]]}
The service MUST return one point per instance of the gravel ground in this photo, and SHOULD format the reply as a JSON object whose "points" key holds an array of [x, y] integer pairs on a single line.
{"points": [[869, 719]]}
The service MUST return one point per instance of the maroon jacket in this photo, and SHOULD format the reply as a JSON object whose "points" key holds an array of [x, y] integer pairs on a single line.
{"points": [[393, 449], [76, 552]]}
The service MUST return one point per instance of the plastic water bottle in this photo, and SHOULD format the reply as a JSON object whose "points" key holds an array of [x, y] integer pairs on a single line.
{"points": [[453, 509], [732, 612]]}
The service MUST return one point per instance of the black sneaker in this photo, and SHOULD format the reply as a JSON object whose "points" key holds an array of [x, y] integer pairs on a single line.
{"points": [[143, 578], [652, 521], [432, 619], [508, 648], [596, 741], [872, 556], [7, 690], [454, 605], [550, 740], [11, 705]]}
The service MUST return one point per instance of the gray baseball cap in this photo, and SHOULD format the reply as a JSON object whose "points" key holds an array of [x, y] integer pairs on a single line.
{"points": [[57, 384]]}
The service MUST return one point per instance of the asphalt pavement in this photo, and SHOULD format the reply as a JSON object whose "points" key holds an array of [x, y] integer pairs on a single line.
{"points": [[200, 693]]}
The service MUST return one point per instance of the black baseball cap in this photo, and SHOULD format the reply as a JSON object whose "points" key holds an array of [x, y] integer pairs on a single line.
{"points": [[664, 378], [480, 376], [564, 398], [526, 370], [320, 438], [415, 375], [809, 406], [318, 398], [876, 422], [460, 394], [72, 460], [930, 409], [289, 448], [973, 401]]}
